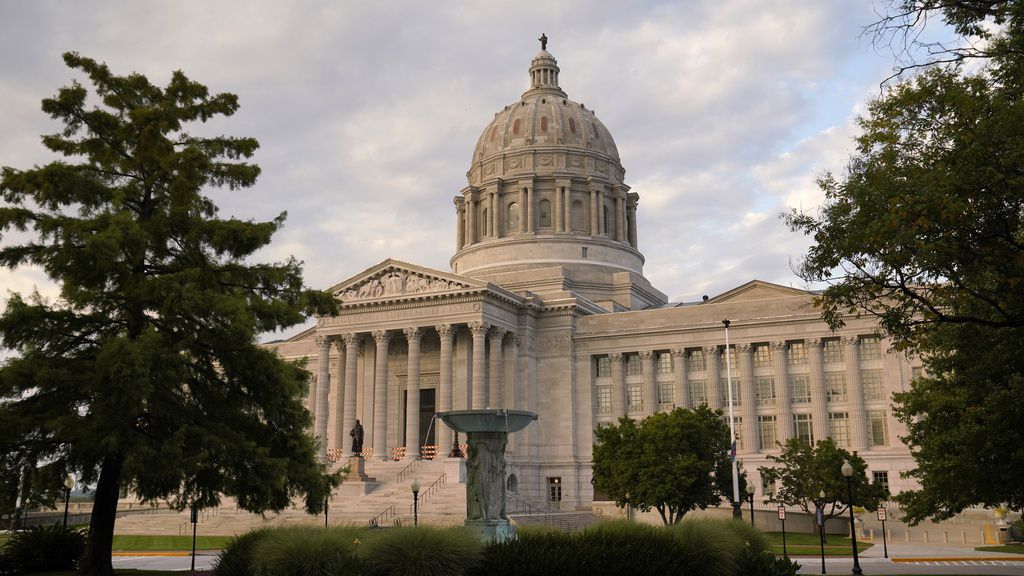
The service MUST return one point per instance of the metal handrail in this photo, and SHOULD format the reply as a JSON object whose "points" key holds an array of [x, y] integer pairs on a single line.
{"points": [[406, 471], [430, 490], [388, 516], [516, 506]]}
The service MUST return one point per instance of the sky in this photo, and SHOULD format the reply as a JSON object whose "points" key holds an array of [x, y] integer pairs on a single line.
{"points": [[725, 112]]}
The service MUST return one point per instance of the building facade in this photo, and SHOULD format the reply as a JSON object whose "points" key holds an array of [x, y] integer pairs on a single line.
{"points": [[546, 308]]}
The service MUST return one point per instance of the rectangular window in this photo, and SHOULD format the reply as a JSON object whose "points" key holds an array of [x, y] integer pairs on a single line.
{"points": [[737, 426], [878, 429], [554, 489], [839, 428], [731, 359], [799, 389], [835, 386], [880, 477], [724, 396], [766, 430], [634, 367], [762, 356], [695, 361], [765, 390], [604, 399], [833, 351], [870, 348], [635, 397], [664, 363], [803, 429], [698, 392], [872, 380], [797, 353], [666, 394], [604, 367]]}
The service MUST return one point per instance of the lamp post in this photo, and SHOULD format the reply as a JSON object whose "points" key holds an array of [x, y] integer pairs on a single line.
{"points": [[629, 508], [819, 516], [847, 471], [737, 511], [415, 501], [69, 483], [750, 494]]}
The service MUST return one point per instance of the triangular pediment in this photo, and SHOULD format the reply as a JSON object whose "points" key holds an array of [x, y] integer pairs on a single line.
{"points": [[392, 278], [756, 290]]}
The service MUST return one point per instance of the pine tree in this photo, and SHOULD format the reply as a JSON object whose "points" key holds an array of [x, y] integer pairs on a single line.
{"points": [[145, 374]]}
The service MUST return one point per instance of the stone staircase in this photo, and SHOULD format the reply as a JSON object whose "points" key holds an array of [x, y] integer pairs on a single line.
{"points": [[443, 503]]}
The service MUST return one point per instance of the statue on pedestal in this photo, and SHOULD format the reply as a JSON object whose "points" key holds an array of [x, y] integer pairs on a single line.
{"points": [[357, 439]]}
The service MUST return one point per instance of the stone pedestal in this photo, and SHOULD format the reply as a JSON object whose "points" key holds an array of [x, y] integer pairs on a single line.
{"points": [[357, 483], [496, 530]]}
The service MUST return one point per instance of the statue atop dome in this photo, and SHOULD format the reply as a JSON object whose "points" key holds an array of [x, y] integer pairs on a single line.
{"points": [[543, 41]]}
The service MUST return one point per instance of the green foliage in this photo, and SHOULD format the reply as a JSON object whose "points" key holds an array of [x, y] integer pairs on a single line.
{"points": [[925, 230], [803, 472], [236, 559], [145, 373], [673, 462], [422, 551], [42, 548], [308, 551]]}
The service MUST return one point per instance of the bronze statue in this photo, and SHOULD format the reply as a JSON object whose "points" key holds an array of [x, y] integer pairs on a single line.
{"points": [[357, 439], [543, 41]]}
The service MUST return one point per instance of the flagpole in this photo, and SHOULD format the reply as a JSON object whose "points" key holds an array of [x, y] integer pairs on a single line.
{"points": [[737, 512]]}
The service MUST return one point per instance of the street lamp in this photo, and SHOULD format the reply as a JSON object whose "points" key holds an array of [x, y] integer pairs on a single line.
{"points": [[819, 514], [847, 470], [737, 511], [415, 501], [750, 494], [69, 483], [629, 508]]}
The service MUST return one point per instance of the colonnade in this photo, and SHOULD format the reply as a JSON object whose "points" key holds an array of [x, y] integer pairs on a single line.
{"points": [[492, 203], [748, 407], [486, 386]]}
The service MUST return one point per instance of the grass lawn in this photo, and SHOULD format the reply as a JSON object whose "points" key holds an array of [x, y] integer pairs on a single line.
{"points": [[1009, 549], [800, 544], [126, 542]]}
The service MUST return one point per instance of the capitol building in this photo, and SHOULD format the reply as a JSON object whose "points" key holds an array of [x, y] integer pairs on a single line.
{"points": [[546, 308]]}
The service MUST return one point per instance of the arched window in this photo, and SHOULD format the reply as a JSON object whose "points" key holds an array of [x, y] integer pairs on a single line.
{"points": [[512, 220], [576, 216], [606, 229], [543, 123], [515, 126], [483, 223], [572, 125], [545, 213]]}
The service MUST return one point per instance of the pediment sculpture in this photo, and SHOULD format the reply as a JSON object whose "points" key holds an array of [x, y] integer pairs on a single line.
{"points": [[396, 282]]}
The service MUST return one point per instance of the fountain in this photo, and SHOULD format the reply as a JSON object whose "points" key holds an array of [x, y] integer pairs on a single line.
{"points": [[487, 435]]}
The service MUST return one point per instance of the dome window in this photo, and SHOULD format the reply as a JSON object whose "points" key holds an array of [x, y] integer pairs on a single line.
{"points": [[515, 126], [572, 125], [512, 222], [543, 100], [543, 123], [545, 214]]}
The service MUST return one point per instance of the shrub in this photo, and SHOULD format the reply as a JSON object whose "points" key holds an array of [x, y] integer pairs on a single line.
{"points": [[422, 551], [41, 549], [236, 558], [307, 551], [707, 547]]}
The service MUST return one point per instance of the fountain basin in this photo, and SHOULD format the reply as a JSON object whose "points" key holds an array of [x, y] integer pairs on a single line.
{"points": [[497, 420]]}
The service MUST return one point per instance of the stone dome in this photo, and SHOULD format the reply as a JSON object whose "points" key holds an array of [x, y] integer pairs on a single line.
{"points": [[544, 120]]}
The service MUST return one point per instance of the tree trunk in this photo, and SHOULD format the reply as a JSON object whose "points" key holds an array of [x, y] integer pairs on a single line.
{"points": [[96, 560]]}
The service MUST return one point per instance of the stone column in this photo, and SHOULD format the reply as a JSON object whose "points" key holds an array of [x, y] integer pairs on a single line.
{"points": [[470, 219], [783, 400], [460, 233], [323, 384], [412, 395], [529, 209], [682, 387], [380, 397], [595, 226], [615, 360], [618, 218], [567, 213], [631, 219], [712, 374], [478, 398], [855, 391], [442, 433], [748, 402], [348, 419], [337, 401], [493, 227], [650, 390], [522, 210], [512, 387], [819, 406], [496, 372], [558, 219]]}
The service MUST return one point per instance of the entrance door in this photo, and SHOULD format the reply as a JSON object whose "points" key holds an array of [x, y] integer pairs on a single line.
{"points": [[428, 405]]}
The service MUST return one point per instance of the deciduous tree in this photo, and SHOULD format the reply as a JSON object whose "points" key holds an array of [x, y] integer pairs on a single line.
{"points": [[144, 374]]}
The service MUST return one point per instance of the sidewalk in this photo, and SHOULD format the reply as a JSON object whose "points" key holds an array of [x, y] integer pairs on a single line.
{"points": [[920, 559]]}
